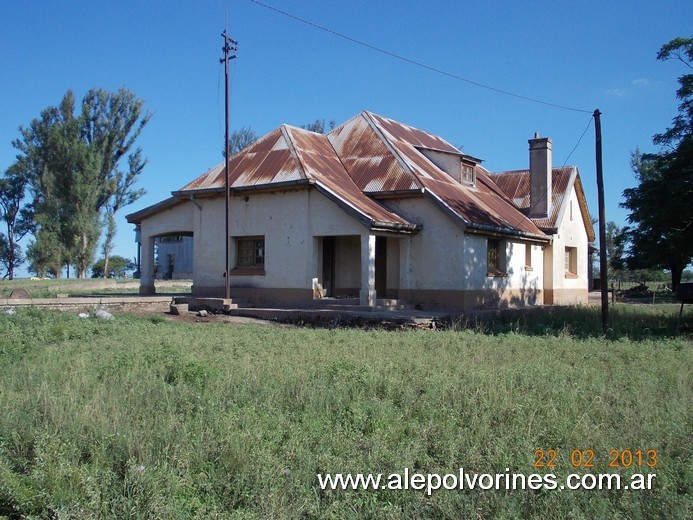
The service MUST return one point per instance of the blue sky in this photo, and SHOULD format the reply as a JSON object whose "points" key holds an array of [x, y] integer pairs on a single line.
{"points": [[585, 55]]}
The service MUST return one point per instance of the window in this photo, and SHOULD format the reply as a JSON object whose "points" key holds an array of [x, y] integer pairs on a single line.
{"points": [[528, 257], [468, 174], [495, 257], [172, 238], [571, 262], [250, 252]]}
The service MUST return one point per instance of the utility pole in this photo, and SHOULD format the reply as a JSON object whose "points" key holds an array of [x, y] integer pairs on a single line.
{"points": [[602, 222], [229, 48]]}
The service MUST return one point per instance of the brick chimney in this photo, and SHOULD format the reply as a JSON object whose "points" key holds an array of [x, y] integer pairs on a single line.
{"points": [[540, 176]]}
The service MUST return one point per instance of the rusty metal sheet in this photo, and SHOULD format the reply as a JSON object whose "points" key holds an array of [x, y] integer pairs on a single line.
{"points": [[516, 186], [322, 165], [373, 154], [383, 155], [368, 160], [401, 132]]}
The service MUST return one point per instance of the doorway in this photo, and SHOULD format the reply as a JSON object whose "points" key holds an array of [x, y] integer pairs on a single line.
{"points": [[380, 267], [328, 265]]}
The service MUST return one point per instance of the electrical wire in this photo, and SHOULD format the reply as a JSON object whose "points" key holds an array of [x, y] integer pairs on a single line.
{"points": [[589, 123], [531, 208], [436, 70], [415, 62]]}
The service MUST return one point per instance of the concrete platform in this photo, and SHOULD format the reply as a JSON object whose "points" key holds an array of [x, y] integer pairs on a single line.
{"points": [[336, 316], [84, 302]]}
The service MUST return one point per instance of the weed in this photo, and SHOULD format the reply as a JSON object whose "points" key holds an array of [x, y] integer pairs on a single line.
{"points": [[154, 419]]}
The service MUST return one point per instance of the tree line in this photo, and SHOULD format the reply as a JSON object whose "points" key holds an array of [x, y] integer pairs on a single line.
{"points": [[660, 230], [76, 168]]}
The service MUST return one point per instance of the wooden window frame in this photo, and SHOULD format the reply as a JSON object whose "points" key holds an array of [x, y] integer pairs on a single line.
{"points": [[250, 255], [570, 262], [528, 257], [495, 263]]}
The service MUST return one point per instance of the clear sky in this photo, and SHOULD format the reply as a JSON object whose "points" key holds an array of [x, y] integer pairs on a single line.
{"points": [[581, 54]]}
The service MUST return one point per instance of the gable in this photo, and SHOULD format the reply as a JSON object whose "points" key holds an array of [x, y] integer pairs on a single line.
{"points": [[516, 186]]}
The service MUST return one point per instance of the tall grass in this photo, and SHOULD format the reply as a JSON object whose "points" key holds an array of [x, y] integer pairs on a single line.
{"points": [[142, 418]]}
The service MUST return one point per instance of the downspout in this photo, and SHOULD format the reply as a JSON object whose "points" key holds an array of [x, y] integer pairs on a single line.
{"points": [[192, 199]]}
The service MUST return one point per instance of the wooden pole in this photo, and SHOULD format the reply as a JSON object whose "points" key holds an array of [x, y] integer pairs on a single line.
{"points": [[229, 46], [602, 222]]}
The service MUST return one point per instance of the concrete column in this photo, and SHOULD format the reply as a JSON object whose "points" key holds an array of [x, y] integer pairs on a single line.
{"points": [[367, 294], [549, 267], [147, 267]]}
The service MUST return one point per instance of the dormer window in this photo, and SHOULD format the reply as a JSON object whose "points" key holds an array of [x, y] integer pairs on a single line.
{"points": [[459, 166]]}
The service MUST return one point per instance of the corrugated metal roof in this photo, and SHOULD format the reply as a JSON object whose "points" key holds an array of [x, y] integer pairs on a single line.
{"points": [[370, 162], [371, 154], [383, 155], [516, 186], [292, 154]]}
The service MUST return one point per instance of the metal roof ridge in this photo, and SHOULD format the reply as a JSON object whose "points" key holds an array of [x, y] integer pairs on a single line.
{"points": [[286, 133], [368, 116]]}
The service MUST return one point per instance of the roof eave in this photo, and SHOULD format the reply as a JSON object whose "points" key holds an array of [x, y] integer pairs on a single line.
{"points": [[362, 217], [139, 216], [408, 229], [264, 187], [506, 232]]}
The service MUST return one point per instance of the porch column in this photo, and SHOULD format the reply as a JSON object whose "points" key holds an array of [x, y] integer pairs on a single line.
{"points": [[367, 294], [147, 266], [405, 284]]}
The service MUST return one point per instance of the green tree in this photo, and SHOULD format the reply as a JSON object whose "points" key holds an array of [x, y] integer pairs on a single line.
{"points": [[118, 265], [15, 216], [661, 212], [71, 156], [615, 249], [112, 122]]}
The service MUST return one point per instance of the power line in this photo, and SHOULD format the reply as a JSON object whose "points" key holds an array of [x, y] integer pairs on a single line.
{"points": [[415, 62], [589, 123]]}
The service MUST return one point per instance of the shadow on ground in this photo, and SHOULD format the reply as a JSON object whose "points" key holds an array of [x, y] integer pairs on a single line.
{"points": [[632, 321]]}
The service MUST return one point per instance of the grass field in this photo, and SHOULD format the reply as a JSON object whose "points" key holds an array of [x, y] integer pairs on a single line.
{"points": [[146, 418], [50, 288]]}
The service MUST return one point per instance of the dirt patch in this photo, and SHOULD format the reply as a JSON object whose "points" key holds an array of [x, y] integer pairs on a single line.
{"points": [[192, 317]]}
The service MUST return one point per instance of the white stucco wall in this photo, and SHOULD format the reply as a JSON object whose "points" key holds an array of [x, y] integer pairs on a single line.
{"points": [[433, 259], [571, 233], [520, 285], [288, 221]]}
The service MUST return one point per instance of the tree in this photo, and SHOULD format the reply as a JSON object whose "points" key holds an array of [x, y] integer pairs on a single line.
{"points": [[680, 49], [319, 126], [240, 139], [660, 206], [119, 266], [615, 249], [71, 159], [17, 219], [112, 122]]}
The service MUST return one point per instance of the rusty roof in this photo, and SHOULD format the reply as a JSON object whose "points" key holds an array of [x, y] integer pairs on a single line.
{"points": [[369, 157], [516, 185], [294, 155], [383, 155]]}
